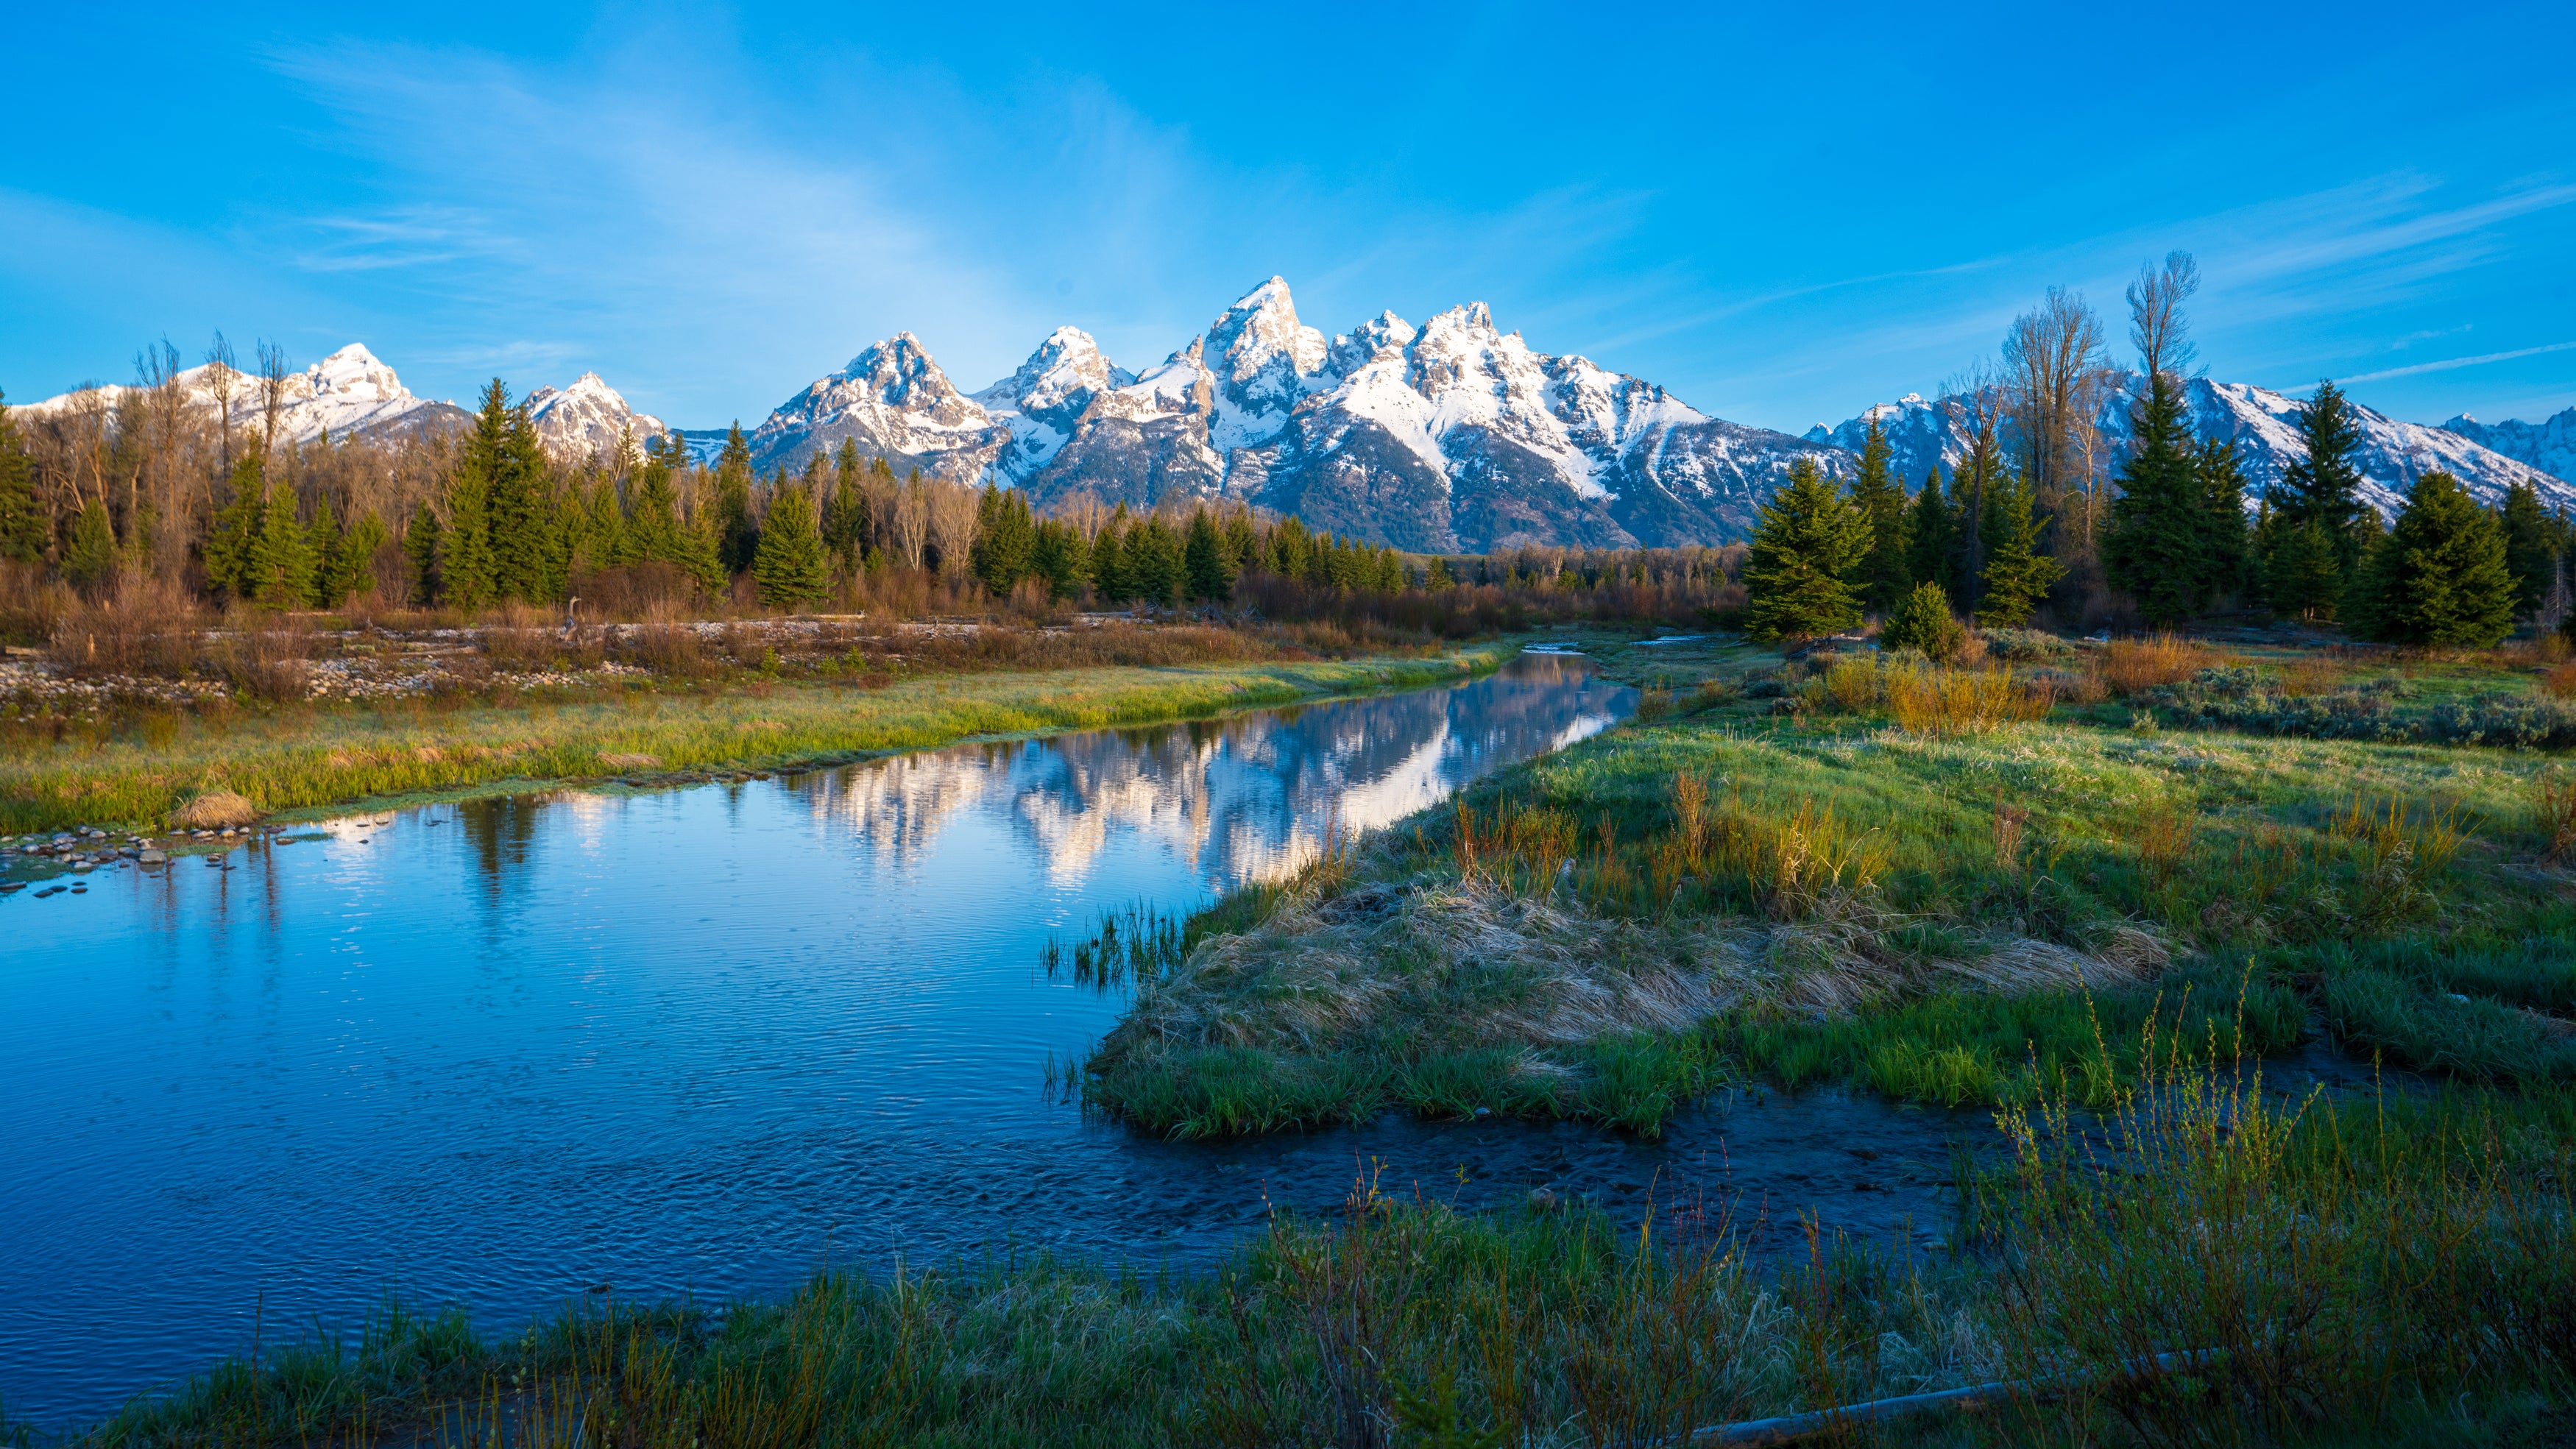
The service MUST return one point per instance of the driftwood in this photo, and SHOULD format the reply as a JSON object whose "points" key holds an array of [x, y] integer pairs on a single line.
{"points": [[1790, 1428]]}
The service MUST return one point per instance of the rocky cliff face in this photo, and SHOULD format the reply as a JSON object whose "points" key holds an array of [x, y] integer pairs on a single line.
{"points": [[588, 418], [2264, 426], [894, 403]]}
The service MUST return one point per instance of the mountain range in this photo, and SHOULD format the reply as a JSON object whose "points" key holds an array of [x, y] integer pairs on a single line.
{"points": [[1449, 436]]}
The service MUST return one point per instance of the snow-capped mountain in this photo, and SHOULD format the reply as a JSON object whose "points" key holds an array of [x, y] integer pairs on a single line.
{"points": [[2548, 445], [894, 402], [587, 418], [2264, 425], [1045, 400], [1451, 436], [347, 393]]}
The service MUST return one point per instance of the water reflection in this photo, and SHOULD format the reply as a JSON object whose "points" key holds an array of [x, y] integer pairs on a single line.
{"points": [[501, 1051]]}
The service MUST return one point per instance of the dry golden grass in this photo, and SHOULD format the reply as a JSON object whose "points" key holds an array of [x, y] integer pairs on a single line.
{"points": [[2431, 834], [2129, 666], [1947, 702], [2557, 799], [2561, 680]]}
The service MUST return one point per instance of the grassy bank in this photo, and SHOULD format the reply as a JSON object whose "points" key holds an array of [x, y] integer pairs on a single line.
{"points": [[137, 769], [2376, 1274], [1941, 885]]}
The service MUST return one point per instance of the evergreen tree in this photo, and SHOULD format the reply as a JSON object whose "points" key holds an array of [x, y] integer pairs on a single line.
{"points": [[654, 532], [465, 543], [2530, 547], [1154, 568], [1886, 574], [791, 566], [1059, 557], [1439, 577], [702, 552], [89, 557], [2017, 575], [1806, 546], [324, 544], [1240, 542], [1922, 621], [737, 536], [354, 571], [1005, 537], [1207, 561], [232, 543], [845, 521], [2317, 537], [422, 550], [2221, 484], [1109, 576], [1932, 537], [22, 528], [1289, 547], [527, 536], [2439, 577], [2155, 548], [603, 529], [282, 561]]}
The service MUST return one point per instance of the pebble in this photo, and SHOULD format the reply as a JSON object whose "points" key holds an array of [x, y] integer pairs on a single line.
{"points": [[153, 856]]}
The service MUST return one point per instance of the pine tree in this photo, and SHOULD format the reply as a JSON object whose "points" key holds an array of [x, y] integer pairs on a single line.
{"points": [[1289, 547], [354, 573], [527, 536], [1154, 566], [603, 527], [1109, 576], [737, 536], [2154, 548], [465, 544], [1005, 537], [791, 566], [1439, 577], [845, 521], [2318, 537], [1886, 574], [324, 544], [89, 557], [1922, 621], [702, 552], [1806, 546], [2017, 575], [22, 528], [283, 559], [231, 544], [422, 550], [2221, 484], [1208, 563], [1059, 557], [653, 534], [2530, 547], [1932, 537], [2439, 577]]}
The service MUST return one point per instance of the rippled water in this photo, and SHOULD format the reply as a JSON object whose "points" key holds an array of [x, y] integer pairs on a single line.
{"points": [[702, 1040]]}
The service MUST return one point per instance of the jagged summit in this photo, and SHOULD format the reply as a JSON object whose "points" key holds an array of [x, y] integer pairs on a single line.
{"points": [[586, 418]]}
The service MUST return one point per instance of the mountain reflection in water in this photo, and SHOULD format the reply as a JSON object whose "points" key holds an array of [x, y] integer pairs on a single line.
{"points": [[695, 1040]]}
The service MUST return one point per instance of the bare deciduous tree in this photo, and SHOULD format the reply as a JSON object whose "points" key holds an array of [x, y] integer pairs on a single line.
{"points": [[223, 379], [952, 523], [2058, 379], [908, 521], [2155, 313], [273, 378]]}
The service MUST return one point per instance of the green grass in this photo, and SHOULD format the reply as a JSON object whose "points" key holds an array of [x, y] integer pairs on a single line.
{"points": [[1861, 904], [311, 757]]}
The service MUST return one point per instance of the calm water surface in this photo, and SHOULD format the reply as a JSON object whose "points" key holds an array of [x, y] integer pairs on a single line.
{"points": [[689, 1041]]}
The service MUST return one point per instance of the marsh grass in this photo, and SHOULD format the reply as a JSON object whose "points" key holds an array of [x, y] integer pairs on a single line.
{"points": [[2400, 1269]]}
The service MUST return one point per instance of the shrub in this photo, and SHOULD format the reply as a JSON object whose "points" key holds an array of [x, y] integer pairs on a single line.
{"points": [[2026, 646], [141, 627], [2235, 697], [1922, 621], [2132, 666]]}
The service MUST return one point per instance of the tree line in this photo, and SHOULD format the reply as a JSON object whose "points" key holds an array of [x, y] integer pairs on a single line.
{"points": [[2174, 540]]}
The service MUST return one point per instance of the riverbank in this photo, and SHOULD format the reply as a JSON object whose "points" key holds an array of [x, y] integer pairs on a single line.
{"points": [[1774, 874], [312, 758]]}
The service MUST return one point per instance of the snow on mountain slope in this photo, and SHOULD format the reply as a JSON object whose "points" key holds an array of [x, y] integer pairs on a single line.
{"points": [[2264, 425], [1043, 401], [587, 418], [2548, 445], [895, 403], [348, 392]]}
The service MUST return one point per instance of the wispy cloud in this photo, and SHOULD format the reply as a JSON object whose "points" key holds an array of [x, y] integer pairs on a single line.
{"points": [[2450, 363]]}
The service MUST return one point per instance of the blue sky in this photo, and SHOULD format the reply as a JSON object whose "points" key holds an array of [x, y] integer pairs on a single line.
{"points": [[1782, 215]]}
